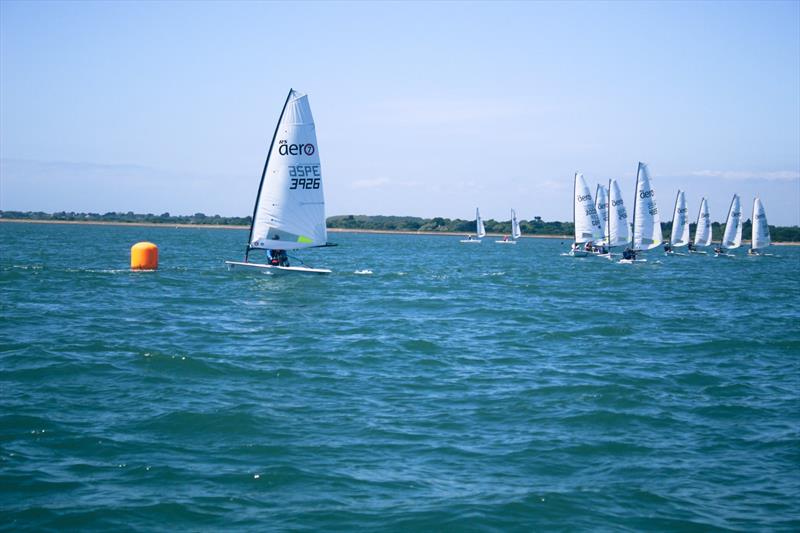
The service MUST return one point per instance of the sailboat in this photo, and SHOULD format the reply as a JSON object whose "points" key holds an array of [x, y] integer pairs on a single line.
{"points": [[680, 225], [479, 227], [601, 206], [584, 216], [515, 231], [732, 238], [760, 238], [646, 220], [617, 228], [702, 233], [289, 212]]}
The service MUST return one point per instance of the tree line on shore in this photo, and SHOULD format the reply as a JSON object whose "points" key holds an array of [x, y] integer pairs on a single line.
{"points": [[537, 226]]}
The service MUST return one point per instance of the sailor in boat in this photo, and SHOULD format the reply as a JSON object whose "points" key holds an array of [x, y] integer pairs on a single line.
{"points": [[691, 247], [278, 258], [588, 246], [468, 237], [629, 254], [667, 247], [753, 252], [505, 239], [719, 251]]}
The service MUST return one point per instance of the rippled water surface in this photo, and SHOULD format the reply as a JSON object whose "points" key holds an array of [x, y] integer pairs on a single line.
{"points": [[457, 387]]}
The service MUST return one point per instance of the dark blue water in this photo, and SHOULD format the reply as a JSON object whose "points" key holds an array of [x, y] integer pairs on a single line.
{"points": [[477, 387]]}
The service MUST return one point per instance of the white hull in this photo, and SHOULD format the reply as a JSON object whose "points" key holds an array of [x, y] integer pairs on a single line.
{"points": [[470, 241], [505, 242], [631, 261], [277, 269], [701, 252], [578, 253], [674, 253]]}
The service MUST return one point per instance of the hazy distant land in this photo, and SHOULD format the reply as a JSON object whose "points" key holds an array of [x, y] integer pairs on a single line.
{"points": [[378, 224]]}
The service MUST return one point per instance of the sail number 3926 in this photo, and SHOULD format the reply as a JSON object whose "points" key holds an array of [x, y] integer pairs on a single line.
{"points": [[304, 176]]}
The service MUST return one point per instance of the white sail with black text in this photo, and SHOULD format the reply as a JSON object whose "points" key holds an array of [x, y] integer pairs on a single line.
{"points": [[732, 238], [618, 227], [646, 219], [760, 238], [702, 233], [680, 222], [584, 216], [289, 211], [601, 206]]}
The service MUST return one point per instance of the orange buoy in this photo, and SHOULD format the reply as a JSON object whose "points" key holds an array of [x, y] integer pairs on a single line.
{"points": [[144, 256]]}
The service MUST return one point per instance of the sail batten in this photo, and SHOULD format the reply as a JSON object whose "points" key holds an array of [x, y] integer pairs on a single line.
{"points": [[290, 206]]}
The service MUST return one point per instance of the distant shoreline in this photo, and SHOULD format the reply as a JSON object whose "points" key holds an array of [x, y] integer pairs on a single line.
{"points": [[332, 230]]}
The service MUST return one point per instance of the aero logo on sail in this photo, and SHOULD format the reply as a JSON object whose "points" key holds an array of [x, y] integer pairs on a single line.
{"points": [[295, 149]]}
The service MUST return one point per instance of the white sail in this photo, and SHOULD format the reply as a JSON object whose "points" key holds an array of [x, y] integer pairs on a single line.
{"points": [[515, 231], [702, 234], [479, 223], [680, 222], [618, 228], [601, 206], [587, 223], [290, 208], [732, 238], [761, 237], [646, 220]]}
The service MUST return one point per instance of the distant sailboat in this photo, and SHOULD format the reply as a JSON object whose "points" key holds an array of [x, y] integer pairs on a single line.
{"points": [[760, 238], [515, 231], [702, 233], [617, 227], [601, 206], [479, 227], [732, 238], [584, 216], [680, 224], [289, 211], [646, 220]]}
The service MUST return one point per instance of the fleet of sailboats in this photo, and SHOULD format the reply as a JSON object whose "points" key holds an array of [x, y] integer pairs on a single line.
{"points": [[289, 211]]}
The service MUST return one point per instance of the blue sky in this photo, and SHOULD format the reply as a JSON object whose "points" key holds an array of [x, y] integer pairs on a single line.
{"points": [[421, 108]]}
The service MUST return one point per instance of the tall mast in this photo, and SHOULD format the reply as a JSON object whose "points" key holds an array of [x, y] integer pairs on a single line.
{"points": [[263, 175]]}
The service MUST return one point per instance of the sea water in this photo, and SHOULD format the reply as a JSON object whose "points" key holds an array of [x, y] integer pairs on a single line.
{"points": [[457, 387]]}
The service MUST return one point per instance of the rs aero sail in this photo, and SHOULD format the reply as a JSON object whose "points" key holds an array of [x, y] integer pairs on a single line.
{"points": [[515, 231], [481, 232], [732, 237], [289, 212], [584, 216], [646, 219], [761, 238]]}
